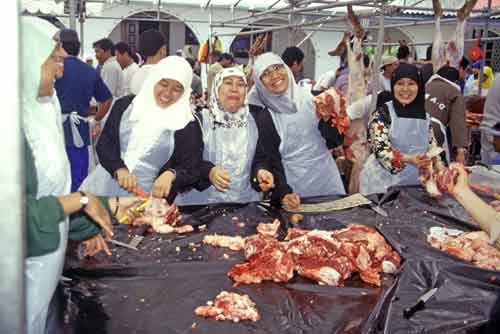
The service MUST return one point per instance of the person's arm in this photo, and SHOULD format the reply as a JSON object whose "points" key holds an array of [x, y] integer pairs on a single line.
{"points": [[182, 170], [380, 143], [103, 96], [458, 127], [268, 156], [108, 146], [485, 215]]}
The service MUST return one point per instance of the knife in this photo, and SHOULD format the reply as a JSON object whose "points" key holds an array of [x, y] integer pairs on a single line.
{"points": [[379, 210], [122, 244], [420, 305]]}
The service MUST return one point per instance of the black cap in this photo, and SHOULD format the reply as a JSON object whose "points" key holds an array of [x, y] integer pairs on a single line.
{"points": [[150, 41], [66, 36]]}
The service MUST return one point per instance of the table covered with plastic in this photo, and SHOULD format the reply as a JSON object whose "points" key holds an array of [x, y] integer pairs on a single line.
{"points": [[157, 288]]}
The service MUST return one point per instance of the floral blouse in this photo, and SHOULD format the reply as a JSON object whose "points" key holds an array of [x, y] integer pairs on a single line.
{"points": [[380, 144]]}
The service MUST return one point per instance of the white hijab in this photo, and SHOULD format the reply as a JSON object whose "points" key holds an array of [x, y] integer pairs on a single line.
{"points": [[150, 119], [217, 113], [289, 102]]}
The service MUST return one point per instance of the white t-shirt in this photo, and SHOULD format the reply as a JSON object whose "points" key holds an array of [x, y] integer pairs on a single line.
{"points": [[139, 77], [385, 84], [112, 75], [326, 80], [128, 74]]}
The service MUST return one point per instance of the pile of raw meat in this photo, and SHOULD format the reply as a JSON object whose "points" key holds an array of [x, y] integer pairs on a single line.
{"points": [[472, 247], [229, 306], [163, 218], [328, 257]]}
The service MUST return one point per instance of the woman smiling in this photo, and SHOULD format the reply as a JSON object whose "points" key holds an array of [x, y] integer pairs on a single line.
{"points": [[152, 141], [292, 134], [399, 135]]}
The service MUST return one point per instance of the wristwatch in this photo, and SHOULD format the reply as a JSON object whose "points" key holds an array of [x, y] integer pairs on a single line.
{"points": [[84, 200]]}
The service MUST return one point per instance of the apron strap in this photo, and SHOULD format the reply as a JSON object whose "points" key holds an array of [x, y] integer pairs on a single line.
{"points": [[445, 142], [74, 119]]}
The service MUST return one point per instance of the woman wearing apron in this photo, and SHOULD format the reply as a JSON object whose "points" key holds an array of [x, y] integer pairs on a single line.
{"points": [[308, 164], [152, 142], [230, 137], [398, 133], [48, 179]]}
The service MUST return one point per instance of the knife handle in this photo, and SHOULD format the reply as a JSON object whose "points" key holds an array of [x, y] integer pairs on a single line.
{"points": [[410, 311]]}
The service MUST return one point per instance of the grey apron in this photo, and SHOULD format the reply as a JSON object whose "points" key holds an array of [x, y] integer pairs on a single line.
{"points": [[101, 183], [408, 135], [309, 166], [232, 149]]}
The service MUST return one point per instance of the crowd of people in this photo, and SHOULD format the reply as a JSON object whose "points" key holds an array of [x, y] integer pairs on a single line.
{"points": [[143, 123]]}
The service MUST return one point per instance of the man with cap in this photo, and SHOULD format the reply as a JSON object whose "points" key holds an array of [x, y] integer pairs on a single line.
{"points": [[111, 71], [153, 48], [75, 89], [389, 64]]}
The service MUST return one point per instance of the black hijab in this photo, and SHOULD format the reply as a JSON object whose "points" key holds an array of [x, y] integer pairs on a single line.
{"points": [[416, 108]]}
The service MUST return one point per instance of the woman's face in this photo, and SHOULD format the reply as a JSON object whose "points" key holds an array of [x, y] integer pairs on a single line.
{"points": [[232, 93], [167, 92], [275, 79], [405, 90]]}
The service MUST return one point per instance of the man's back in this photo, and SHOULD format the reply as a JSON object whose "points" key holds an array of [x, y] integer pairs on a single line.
{"points": [[78, 85]]}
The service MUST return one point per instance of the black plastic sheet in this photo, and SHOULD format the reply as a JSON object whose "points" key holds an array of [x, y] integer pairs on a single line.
{"points": [[156, 289]]}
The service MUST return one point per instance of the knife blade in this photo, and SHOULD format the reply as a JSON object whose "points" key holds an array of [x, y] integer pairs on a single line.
{"points": [[420, 305], [122, 244], [379, 210]]}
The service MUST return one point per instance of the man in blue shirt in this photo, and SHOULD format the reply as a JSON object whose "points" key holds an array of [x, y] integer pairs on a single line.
{"points": [[75, 89]]}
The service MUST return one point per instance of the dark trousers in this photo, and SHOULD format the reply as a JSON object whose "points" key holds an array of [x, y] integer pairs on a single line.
{"points": [[79, 160]]}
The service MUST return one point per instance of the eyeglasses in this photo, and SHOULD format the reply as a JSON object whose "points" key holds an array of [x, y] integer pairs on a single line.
{"points": [[272, 69]]}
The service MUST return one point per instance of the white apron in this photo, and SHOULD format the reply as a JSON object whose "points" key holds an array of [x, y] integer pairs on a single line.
{"points": [[309, 166], [408, 135], [146, 166], [232, 149], [445, 146], [44, 133]]}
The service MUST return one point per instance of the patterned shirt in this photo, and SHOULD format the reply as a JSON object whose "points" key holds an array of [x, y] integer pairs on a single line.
{"points": [[379, 141]]}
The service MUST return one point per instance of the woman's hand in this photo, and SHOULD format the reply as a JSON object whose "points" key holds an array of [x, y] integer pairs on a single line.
{"points": [[220, 178], [291, 201], [265, 179], [126, 180], [163, 184], [417, 160], [98, 213], [94, 245]]}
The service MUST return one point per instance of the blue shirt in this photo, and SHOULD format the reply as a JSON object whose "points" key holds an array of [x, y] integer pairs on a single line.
{"points": [[75, 90]]}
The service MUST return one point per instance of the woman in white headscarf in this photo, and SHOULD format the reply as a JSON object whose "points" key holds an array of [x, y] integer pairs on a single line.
{"points": [[151, 142], [295, 135], [48, 179], [231, 153]]}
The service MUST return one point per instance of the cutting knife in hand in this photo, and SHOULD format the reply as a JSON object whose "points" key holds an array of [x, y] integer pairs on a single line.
{"points": [[420, 305]]}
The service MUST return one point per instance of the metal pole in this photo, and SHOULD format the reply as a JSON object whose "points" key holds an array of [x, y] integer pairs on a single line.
{"points": [[484, 50], [81, 37], [443, 21], [282, 27], [309, 35], [12, 222], [378, 59], [427, 43], [266, 12], [328, 6], [72, 14]]}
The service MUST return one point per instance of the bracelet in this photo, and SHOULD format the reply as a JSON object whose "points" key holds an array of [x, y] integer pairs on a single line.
{"points": [[117, 199]]}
